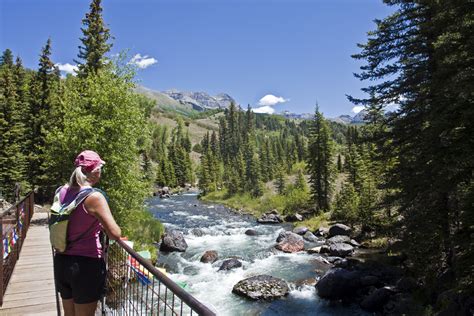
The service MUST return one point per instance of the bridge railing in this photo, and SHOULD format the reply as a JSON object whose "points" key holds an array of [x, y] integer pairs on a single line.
{"points": [[136, 287], [14, 224]]}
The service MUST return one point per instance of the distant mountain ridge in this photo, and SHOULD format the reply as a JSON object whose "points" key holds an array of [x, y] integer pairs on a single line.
{"points": [[201, 101]]}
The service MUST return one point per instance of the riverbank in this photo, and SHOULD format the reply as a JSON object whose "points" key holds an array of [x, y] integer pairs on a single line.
{"points": [[246, 204]]}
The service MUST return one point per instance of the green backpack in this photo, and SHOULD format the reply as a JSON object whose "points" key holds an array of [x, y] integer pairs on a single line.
{"points": [[59, 219]]}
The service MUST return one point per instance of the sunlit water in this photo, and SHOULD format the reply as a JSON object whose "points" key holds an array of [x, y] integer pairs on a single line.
{"points": [[224, 232]]}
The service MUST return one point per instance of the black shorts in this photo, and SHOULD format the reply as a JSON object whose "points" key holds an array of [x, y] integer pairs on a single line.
{"points": [[80, 278]]}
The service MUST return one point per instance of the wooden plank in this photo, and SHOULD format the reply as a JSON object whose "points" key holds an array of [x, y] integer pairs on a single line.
{"points": [[29, 302], [30, 310], [20, 287], [27, 295]]}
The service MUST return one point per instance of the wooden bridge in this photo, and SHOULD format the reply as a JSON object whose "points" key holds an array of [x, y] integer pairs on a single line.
{"points": [[31, 287]]}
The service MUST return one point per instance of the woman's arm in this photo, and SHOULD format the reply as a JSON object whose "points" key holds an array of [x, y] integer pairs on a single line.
{"points": [[97, 205]]}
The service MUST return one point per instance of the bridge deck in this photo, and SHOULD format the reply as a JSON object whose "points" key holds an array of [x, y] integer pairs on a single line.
{"points": [[31, 288]]}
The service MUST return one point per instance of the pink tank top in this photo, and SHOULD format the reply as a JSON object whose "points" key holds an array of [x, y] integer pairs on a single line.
{"points": [[81, 221]]}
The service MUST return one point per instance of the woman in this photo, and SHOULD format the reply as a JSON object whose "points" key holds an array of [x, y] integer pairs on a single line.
{"points": [[80, 270]]}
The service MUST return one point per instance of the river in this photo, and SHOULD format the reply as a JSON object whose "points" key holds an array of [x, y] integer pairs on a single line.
{"points": [[223, 230]]}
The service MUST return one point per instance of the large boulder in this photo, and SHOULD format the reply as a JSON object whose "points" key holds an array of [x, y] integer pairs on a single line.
{"points": [[209, 256], [338, 283], [289, 242], [230, 264], [340, 249], [173, 240], [300, 230], [270, 218], [339, 229], [339, 239], [377, 299], [260, 287], [407, 284]]}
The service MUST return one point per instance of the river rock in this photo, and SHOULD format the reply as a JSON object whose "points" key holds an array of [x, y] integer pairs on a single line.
{"points": [[294, 218], [376, 300], [289, 242], [338, 283], [251, 232], [309, 236], [230, 264], [300, 230], [209, 256], [173, 240], [322, 231], [197, 232], [260, 287], [339, 229], [339, 239], [340, 249], [269, 218]]}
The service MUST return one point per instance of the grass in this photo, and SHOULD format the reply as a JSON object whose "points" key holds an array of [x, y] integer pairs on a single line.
{"points": [[315, 222]]}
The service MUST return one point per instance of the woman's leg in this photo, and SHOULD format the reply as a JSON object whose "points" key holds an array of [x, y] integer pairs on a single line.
{"points": [[68, 306], [85, 309]]}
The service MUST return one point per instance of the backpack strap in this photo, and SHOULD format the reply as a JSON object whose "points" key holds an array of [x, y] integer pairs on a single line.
{"points": [[81, 198]]}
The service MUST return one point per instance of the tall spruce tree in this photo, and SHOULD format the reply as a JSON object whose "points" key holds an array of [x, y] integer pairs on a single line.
{"points": [[319, 162], [95, 41], [421, 57]]}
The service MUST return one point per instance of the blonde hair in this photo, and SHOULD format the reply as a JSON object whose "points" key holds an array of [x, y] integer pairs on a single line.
{"points": [[78, 178]]}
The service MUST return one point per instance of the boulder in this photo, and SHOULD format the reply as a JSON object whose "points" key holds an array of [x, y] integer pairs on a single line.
{"points": [[260, 287], [197, 232], [339, 239], [322, 232], [251, 232], [338, 283], [333, 259], [300, 230], [293, 218], [269, 218], [309, 236], [209, 256], [173, 240], [230, 264], [340, 249], [377, 299], [289, 242], [339, 229]]}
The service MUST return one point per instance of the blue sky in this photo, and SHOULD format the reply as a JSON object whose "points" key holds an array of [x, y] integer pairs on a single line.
{"points": [[296, 51]]}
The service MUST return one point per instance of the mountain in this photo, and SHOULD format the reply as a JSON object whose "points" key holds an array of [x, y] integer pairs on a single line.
{"points": [[359, 118], [201, 101], [165, 102]]}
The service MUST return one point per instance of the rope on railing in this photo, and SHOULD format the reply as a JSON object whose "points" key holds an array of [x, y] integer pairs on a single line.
{"points": [[136, 287], [14, 224]]}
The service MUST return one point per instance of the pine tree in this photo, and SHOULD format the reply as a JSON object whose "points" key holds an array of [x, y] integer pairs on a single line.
{"points": [[94, 41], [280, 180], [421, 58], [319, 162]]}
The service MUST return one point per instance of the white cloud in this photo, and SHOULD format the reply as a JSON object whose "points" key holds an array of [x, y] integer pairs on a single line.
{"points": [[264, 109], [356, 109], [271, 100], [67, 68], [143, 62]]}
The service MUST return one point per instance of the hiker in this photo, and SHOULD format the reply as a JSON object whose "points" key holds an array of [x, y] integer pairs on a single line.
{"points": [[80, 270]]}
